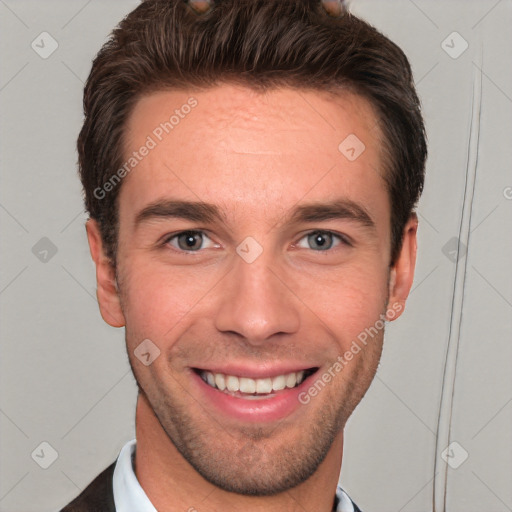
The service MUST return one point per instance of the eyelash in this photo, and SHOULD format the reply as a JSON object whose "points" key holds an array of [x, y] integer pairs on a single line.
{"points": [[343, 239]]}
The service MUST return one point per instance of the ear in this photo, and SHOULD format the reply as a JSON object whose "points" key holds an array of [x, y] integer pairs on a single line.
{"points": [[106, 292], [402, 273]]}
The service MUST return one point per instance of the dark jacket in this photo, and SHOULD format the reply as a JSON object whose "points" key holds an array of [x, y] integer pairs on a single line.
{"points": [[98, 496]]}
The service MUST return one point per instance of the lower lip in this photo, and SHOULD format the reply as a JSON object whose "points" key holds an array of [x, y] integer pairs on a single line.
{"points": [[284, 403]]}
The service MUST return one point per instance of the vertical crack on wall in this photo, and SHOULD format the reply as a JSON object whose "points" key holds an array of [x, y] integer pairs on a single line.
{"points": [[444, 420]]}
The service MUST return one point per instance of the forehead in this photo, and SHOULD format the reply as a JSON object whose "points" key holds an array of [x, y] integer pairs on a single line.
{"points": [[229, 108], [240, 148]]}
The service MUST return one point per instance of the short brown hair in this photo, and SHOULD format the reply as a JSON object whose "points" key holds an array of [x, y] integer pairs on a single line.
{"points": [[262, 44]]}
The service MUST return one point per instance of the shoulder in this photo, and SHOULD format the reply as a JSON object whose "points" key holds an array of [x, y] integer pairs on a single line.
{"points": [[98, 496]]}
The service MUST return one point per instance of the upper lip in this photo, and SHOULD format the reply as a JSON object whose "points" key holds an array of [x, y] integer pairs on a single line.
{"points": [[261, 371]]}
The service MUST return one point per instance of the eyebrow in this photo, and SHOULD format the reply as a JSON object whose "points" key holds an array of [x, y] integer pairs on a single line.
{"points": [[197, 211], [338, 209]]}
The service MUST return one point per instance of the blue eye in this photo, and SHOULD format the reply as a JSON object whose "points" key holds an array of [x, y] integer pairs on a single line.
{"points": [[322, 241], [190, 241]]}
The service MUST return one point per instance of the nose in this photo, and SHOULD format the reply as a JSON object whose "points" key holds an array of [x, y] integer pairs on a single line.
{"points": [[256, 302]]}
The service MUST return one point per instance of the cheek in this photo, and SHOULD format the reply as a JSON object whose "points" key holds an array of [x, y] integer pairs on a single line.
{"points": [[157, 300], [348, 300], [161, 302]]}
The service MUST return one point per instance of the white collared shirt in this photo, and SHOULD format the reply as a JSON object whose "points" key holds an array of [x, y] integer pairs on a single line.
{"points": [[129, 495]]}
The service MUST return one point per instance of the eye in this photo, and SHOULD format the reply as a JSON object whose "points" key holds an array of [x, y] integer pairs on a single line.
{"points": [[321, 241], [189, 241]]}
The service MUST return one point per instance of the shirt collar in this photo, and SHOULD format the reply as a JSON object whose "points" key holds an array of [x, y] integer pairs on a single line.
{"points": [[129, 495]]}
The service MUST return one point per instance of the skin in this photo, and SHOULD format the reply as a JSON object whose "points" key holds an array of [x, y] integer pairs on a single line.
{"points": [[256, 156]]}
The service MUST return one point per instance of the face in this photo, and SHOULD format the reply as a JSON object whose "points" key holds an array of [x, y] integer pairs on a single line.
{"points": [[253, 254]]}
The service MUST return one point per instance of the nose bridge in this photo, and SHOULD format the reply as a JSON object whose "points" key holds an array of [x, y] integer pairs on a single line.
{"points": [[254, 301]]}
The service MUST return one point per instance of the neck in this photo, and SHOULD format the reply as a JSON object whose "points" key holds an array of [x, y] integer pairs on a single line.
{"points": [[172, 484]]}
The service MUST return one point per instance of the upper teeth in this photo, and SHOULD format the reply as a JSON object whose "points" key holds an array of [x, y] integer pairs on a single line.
{"points": [[248, 385]]}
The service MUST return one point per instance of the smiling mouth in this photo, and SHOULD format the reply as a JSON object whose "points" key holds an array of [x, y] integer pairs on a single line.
{"points": [[254, 389]]}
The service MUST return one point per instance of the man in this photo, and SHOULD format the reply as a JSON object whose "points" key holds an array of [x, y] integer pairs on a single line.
{"points": [[251, 171]]}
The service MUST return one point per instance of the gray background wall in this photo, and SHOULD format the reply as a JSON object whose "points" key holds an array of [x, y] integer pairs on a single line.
{"points": [[445, 374]]}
